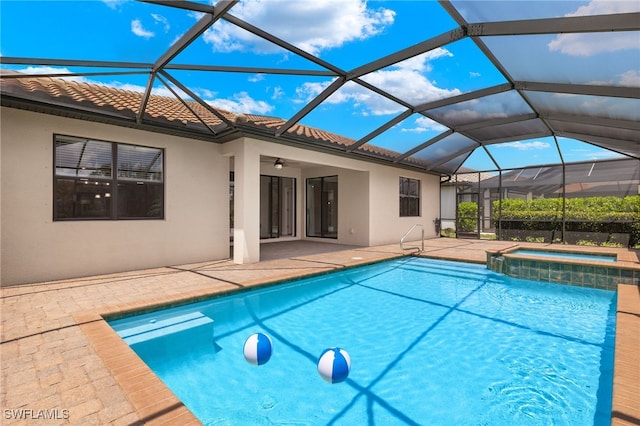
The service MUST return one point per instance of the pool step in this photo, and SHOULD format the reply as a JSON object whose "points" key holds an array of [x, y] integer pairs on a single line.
{"points": [[162, 327]]}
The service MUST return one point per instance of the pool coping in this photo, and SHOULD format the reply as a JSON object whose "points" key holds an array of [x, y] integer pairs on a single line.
{"points": [[155, 403], [625, 408]]}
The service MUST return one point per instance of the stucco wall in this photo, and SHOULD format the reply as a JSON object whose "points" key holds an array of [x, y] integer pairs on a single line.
{"points": [[368, 195], [196, 225], [386, 224], [35, 248], [353, 203]]}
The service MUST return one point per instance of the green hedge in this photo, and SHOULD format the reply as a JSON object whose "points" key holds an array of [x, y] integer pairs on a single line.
{"points": [[589, 214], [468, 214]]}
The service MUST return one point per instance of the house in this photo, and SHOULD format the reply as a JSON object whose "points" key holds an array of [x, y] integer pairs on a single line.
{"points": [[84, 192], [162, 168]]}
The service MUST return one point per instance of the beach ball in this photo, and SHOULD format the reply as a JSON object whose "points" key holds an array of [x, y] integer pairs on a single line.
{"points": [[258, 348], [334, 365]]}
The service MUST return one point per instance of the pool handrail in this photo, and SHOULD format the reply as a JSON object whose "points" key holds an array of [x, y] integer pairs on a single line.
{"points": [[408, 232]]}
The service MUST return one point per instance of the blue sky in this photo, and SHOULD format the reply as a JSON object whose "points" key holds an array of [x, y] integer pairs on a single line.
{"points": [[346, 33]]}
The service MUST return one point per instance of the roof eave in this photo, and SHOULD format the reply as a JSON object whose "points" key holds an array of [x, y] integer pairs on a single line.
{"points": [[226, 135]]}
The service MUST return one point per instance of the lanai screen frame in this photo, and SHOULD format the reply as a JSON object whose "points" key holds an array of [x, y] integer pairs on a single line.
{"points": [[606, 178], [532, 119]]}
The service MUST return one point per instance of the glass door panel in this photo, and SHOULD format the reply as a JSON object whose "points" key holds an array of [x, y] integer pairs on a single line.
{"points": [[277, 206], [322, 207]]}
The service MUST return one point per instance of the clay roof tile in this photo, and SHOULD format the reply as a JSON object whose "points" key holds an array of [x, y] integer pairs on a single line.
{"points": [[164, 108]]}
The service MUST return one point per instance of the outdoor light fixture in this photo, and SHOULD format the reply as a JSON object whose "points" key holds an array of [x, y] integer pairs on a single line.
{"points": [[278, 164]]}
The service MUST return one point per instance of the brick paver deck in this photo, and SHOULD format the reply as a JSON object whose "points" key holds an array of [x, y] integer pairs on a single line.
{"points": [[62, 364]]}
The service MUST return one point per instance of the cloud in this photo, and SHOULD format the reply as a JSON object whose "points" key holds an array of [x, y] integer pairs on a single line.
{"points": [[176, 38], [313, 26], [161, 20], [256, 78], [630, 78], [592, 44], [137, 29], [524, 146], [278, 93], [606, 7], [241, 103], [473, 74], [113, 4], [405, 80], [39, 70], [424, 124]]}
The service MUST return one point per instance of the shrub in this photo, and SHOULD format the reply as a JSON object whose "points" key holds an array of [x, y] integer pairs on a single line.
{"points": [[468, 214], [588, 214]]}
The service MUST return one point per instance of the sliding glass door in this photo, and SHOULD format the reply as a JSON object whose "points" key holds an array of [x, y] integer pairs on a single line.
{"points": [[322, 207], [277, 206]]}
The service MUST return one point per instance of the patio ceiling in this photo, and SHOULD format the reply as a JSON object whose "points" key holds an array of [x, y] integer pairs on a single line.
{"points": [[535, 92]]}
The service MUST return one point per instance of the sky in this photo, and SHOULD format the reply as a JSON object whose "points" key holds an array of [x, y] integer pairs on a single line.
{"points": [[345, 33]]}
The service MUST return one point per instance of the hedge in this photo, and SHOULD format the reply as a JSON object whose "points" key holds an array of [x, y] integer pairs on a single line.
{"points": [[589, 214], [468, 214]]}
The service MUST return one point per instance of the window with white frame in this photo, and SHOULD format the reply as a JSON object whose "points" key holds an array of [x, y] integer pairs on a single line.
{"points": [[409, 197], [106, 180]]}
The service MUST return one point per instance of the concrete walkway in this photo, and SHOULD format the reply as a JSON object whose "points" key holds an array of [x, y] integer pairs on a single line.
{"points": [[61, 362]]}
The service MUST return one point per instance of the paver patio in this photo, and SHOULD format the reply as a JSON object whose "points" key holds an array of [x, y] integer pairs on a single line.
{"points": [[62, 364]]}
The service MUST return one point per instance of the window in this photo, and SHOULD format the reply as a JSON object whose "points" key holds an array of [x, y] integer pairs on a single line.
{"points": [[409, 197], [105, 180]]}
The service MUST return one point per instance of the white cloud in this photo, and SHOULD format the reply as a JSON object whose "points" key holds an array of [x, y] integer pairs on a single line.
{"points": [[405, 80], [630, 78], [313, 26], [424, 124], [113, 4], [606, 7], [176, 38], [278, 93], [524, 146], [137, 29], [161, 20], [473, 74], [52, 70], [593, 44], [206, 93], [589, 44], [241, 103], [256, 78]]}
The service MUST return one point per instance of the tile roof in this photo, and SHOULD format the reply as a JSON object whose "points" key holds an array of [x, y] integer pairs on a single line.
{"points": [[164, 111]]}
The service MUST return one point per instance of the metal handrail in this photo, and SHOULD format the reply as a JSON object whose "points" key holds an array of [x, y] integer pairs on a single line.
{"points": [[408, 232]]}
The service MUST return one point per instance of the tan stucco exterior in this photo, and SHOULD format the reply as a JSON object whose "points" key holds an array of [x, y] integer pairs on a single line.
{"points": [[196, 225], [35, 248]]}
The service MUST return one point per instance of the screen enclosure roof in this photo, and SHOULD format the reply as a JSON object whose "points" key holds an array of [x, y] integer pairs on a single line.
{"points": [[421, 84]]}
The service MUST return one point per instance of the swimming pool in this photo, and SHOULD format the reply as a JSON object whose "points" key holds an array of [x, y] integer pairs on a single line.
{"points": [[431, 342]]}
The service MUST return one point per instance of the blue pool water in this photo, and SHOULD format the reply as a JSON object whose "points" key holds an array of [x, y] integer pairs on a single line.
{"points": [[431, 343], [566, 255]]}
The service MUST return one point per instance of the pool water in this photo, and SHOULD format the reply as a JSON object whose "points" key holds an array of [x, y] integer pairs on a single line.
{"points": [[431, 343], [565, 255]]}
